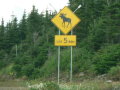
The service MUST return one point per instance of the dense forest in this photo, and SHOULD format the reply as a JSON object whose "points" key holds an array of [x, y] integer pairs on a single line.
{"points": [[27, 46]]}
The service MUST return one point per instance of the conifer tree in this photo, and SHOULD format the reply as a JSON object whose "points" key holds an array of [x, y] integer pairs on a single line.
{"points": [[2, 34]]}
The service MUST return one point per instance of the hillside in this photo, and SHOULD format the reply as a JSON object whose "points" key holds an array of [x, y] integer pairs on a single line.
{"points": [[27, 47]]}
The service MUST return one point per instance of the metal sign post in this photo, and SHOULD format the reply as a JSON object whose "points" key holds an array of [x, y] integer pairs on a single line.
{"points": [[59, 62], [72, 50], [71, 62]]}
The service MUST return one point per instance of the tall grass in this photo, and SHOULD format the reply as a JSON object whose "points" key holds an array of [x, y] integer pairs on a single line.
{"points": [[81, 62], [7, 70]]}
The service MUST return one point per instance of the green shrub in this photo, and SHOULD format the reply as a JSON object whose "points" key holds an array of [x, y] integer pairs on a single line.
{"points": [[106, 58], [17, 69], [27, 70], [51, 86], [2, 59], [114, 73]]}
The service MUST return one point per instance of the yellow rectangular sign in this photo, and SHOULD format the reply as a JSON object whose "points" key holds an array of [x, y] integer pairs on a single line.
{"points": [[65, 40]]}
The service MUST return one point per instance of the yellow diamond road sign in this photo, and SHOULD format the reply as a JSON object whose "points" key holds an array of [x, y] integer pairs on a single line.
{"points": [[65, 20], [65, 40]]}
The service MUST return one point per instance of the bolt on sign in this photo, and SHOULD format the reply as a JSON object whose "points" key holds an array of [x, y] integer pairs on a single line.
{"points": [[65, 20], [65, 40]]}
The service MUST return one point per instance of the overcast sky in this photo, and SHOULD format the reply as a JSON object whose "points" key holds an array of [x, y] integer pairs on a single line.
{"points": [[17, 7]]}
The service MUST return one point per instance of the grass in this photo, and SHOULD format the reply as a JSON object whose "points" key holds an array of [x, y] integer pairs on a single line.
{"points": [[12, 83], [85, 85], [91, 85], [7, 70]]}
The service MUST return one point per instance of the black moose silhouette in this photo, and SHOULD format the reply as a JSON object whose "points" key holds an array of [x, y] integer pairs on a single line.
{"points": [[65, 19]]}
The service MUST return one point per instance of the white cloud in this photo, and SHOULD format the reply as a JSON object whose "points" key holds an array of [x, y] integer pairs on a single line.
{"points": [[7, 7]]}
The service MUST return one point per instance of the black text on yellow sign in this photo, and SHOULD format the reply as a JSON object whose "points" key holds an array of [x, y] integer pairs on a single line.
{"points": [[65, 40]]}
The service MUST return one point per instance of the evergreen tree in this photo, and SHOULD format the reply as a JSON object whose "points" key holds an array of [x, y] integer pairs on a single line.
{"points": [[23, 27], [2, 34], [105, 30]]}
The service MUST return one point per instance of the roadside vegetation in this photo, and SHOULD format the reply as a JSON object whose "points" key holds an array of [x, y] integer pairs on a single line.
{"points": [[27, 50]]}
